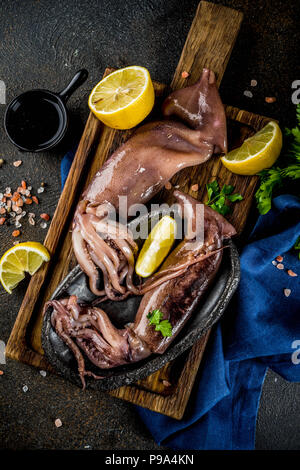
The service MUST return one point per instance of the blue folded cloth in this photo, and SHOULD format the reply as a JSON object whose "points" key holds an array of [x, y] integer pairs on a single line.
{"points": [[260, 329]]}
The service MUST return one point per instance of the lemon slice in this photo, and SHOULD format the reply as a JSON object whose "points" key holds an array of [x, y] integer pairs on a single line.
{"points": [[21, 258], [257, 152], [156, 247], [124, 98]]}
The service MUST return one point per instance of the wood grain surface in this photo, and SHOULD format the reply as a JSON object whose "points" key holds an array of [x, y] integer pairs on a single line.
{"points": [[209, 44]]}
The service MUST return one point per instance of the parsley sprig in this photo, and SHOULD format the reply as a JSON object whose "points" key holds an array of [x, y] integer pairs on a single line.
{"points": [[297, 246], [287, 168], [156, 318], [217, 197]]}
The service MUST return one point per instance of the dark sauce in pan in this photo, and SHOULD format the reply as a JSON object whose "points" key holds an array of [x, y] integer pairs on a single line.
{"points": [[35, 121]]}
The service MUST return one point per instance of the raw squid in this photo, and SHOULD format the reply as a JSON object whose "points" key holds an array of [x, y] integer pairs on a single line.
{"points": [[188, 271], [138, 170]]}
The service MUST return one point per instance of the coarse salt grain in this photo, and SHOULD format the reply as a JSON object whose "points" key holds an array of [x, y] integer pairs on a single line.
{"points": [[58, 423], [40, 190], [270, 99], [17, 163], [280, 266], [274, 263], [43, 225], [185, 74], [25, 389], [248, 93], [166, 383], [287, 292], [253, 82], [43, 373]]}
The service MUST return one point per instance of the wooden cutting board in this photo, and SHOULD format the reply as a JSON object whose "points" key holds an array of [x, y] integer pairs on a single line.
{"points": [[209, 44]]}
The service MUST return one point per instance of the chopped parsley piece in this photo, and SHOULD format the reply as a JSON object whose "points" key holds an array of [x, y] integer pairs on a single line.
{"points": [[156, 318], [217, 197]]}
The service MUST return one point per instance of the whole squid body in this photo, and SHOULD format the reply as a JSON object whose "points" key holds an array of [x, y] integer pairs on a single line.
{"points": [[186, 274], [137, 171]]}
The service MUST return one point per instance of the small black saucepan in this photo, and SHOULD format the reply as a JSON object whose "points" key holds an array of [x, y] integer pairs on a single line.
{"points": [[37, 120]]}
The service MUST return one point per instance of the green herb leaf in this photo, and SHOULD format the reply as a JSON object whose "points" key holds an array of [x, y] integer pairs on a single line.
{"points": [[217, 197], [155, 317], [287, 168], [164, 326], [297, 246], [270, 179], [224, 210], [227, 189], [220, 201], [214, 185], [235, 197]]}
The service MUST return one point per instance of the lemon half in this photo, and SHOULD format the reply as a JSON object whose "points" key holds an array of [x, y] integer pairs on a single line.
{"points": [[257, 152], [156, 247], [124, 98], [21, 258]]}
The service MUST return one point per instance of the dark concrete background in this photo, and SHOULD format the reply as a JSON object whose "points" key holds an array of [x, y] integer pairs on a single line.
{"points": [[42, 44]]}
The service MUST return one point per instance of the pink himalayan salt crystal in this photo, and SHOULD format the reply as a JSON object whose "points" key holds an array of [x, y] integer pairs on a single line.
{"points": [[287, 292]]}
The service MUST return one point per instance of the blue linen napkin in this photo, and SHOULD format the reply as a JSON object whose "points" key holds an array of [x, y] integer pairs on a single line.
{"points": [[260, 329]]}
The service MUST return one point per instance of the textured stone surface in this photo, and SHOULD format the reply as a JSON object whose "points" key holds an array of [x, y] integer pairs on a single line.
{"points": [[42, 44]]}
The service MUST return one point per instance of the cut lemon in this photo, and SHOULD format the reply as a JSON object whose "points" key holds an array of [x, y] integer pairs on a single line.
{"points": [[124, 98], [21, 258], [156, 247], [257, 152]]}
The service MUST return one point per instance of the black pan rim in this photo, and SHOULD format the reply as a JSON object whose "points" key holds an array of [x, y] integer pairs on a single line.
{"points": [[155, 362]]}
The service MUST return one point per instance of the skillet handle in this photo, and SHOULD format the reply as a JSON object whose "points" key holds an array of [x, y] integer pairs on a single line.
{"points": [[78, 79]]}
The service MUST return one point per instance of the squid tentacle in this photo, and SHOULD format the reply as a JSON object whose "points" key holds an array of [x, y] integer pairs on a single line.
{"points": [[138, 170]]}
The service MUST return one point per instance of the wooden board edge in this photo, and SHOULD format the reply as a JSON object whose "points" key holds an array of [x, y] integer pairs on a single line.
{"points": [[218, 12], [26, 354], [173, 405]]}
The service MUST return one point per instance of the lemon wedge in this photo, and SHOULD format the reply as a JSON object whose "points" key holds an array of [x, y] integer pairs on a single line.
{"points": [[124, 98], [21, 258], [257, 152], [156, 247]]}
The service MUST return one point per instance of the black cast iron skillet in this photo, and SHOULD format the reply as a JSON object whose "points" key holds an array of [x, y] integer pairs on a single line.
{"points": [[210, 311], [37, 120]]}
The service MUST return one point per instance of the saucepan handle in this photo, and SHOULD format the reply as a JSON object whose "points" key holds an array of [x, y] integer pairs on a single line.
{"points": [[78, 79]]}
